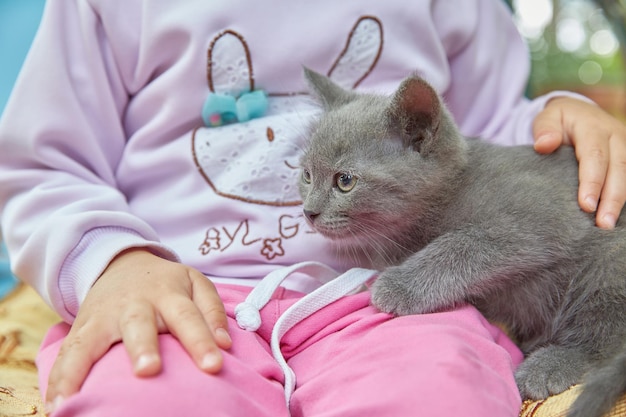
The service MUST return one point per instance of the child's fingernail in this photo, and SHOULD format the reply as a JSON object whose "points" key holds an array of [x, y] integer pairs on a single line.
{"points": [[609, 220], [210, 362], [547, 137], [223, 336], [146, 362], [52, 406], [591, 203]]}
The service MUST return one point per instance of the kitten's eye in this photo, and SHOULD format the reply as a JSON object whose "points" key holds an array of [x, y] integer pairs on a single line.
{"points": [[346, 182], [306, 176]]}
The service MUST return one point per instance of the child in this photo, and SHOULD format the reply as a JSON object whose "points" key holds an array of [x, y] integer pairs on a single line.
{"points": [[118, 203]]}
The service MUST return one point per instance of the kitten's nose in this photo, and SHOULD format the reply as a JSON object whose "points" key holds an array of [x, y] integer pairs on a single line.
{"points": [[311, 215]]}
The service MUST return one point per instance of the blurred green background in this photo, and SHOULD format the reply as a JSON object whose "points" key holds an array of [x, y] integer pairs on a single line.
{"points": [[576, 45]]}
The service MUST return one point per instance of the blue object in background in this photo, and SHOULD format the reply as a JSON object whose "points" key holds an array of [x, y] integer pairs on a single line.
{"points": [[19, 20], [7, 281]]}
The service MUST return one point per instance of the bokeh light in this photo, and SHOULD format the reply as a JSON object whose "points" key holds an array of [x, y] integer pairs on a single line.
{"points": [[533, 16], [604, 43], [590, 72], [570, 35]]}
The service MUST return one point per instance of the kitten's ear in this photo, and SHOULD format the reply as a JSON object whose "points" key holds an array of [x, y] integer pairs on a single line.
{"points": [[415, 111], [330, 94]]}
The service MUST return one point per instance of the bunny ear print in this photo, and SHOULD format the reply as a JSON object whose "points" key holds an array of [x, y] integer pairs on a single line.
{"points": [[231, 81], [361, 53], [229, 67]]}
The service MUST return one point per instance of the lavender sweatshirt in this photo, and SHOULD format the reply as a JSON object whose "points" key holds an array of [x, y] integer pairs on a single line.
{"points": [[102, 145]]}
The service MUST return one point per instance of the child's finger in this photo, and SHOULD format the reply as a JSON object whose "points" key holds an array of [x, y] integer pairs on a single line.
{"points": [[613, 194], [83, 346], [185, 321], [140, 336], [548, 131], [207, 299], [593, 164]]}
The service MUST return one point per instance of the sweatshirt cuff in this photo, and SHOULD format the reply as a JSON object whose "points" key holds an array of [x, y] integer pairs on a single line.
{"points": [[90, 257]]}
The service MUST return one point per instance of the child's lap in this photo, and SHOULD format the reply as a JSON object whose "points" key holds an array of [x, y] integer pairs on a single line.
{"points": [[347, 357]]}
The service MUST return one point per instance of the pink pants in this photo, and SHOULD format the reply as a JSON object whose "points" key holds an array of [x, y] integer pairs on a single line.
{"points": [[349, 359]]}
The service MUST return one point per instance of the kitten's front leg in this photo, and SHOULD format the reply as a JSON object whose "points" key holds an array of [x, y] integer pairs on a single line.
{"points": [[421, 284], [467, 264]]}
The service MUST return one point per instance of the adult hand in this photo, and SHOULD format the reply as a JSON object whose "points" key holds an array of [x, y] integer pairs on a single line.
{"points": [[137, 297], [599, 140]]}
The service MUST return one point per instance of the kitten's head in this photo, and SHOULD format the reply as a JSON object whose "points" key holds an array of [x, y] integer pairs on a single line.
{"points": [[375, 164]]}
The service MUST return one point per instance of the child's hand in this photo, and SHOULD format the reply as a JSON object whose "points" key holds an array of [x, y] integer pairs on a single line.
{"points": [[138, 296], [600, 142]]}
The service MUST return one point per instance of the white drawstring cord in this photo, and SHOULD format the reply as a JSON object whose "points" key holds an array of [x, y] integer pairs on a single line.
{"points": [[247, 313], [334, 287]]}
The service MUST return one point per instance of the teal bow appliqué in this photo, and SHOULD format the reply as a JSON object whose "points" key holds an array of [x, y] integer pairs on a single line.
{"points": [[220, 109]]}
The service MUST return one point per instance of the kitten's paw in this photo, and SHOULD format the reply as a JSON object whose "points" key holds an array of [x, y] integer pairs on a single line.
{"points": [[550, 370], [393, 292]]}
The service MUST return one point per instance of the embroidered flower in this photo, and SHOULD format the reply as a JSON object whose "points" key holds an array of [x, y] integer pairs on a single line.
{"points": [[272, 248]]}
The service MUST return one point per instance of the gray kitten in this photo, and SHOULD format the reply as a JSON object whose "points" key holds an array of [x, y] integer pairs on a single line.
{"points": [[453, 221]]}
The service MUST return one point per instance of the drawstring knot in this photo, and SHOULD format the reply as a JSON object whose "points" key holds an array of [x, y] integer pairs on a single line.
{"points": [[248, 317]]}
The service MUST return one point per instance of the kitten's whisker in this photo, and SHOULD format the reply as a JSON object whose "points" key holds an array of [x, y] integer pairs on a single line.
{"points": [[372, 245], [355, 249], [376, 240]]}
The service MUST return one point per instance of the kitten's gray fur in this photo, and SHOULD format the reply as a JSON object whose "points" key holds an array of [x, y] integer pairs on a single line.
{"points": [[451, 221]]}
